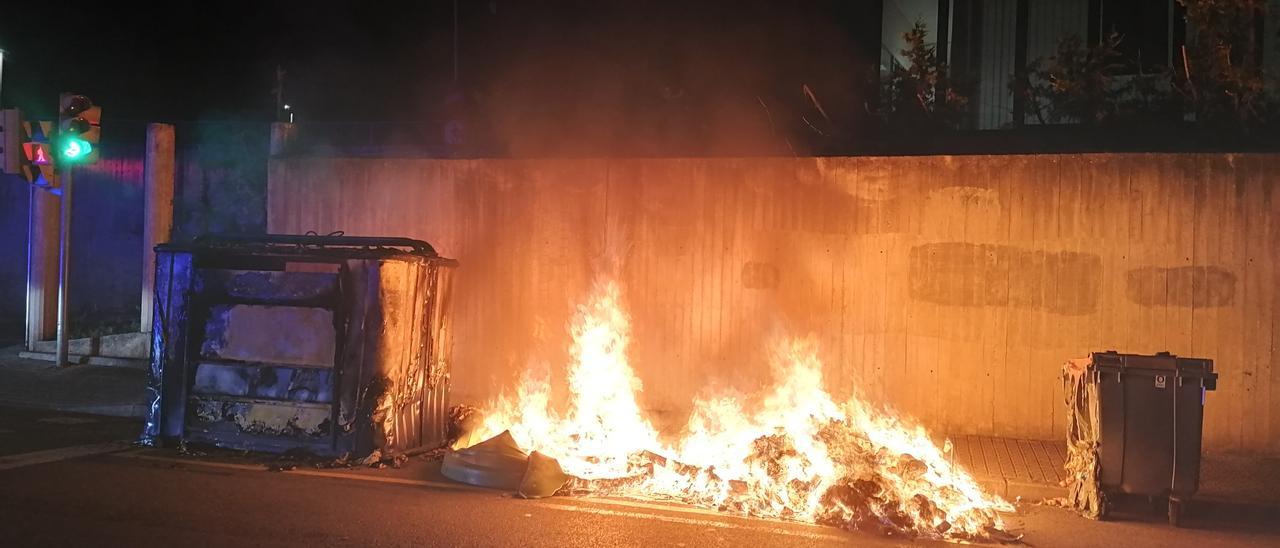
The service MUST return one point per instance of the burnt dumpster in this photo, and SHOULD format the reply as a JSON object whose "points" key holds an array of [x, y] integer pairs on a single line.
{"points": [[1135, 428], [333, 345]]}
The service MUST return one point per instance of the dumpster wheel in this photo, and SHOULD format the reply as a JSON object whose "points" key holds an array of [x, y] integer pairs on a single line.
{"points": [[1175, 511]]}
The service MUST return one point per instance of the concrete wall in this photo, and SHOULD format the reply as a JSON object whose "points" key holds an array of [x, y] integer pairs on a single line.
{"points": [[952, 288], [105, 242], [13, 250]]}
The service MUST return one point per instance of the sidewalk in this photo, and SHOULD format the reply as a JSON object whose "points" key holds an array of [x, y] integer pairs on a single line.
{"points": [[1031, 469], [1013, 468], [91, 389]]}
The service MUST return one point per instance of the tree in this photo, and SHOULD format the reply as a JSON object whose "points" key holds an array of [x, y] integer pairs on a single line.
{"points": [[1074, 84], [1219, 85], [1221, 81], [921, 94], [1086, 84]]}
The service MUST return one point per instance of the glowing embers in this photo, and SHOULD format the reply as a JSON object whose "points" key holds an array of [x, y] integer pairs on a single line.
{"points": [[794, 453]]}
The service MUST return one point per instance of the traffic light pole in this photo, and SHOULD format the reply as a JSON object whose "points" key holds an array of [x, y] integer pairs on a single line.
{"points": [[64, 261]]}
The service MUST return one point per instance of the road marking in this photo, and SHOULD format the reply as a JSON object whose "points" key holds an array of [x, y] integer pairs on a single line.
{"points": [[741, 522], [669, 508], [308, 472], [139, 455], [399, 481], [67, 420], [691, 521], [64, 453]]}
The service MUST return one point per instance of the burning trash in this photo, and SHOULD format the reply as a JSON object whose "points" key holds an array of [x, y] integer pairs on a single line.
{"points": [[797, 454]]}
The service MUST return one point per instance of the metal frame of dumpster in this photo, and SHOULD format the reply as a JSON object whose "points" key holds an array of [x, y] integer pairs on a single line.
{"points": [[334, 345]]}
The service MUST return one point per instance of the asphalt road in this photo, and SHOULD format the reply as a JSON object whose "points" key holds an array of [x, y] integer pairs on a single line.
{"points": [[128, 501], [27, 430], [148, 497]]}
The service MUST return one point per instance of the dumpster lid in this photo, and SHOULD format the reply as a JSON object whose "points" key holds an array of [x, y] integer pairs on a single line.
{"points": [[1112, 360], [311, 243]]}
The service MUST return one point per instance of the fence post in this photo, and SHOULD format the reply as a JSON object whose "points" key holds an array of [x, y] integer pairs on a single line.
{"points": [[42, 266], [157, 229], [283, 135]]}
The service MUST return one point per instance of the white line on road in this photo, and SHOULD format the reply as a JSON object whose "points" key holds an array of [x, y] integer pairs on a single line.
{"points": [[307, 472], [690, 521], [54, 455]]}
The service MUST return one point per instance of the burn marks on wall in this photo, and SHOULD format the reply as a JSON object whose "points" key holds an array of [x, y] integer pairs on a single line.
{"points": [[1061, 282], [758, 275], [1183, 286], [965, 274], [831, 199]]}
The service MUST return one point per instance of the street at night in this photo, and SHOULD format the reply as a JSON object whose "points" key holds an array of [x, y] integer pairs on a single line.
{"points": [[640, 273], [147, 497]]}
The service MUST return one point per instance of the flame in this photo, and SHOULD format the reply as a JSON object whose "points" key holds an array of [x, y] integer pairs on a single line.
{"points": [[797, 455], [604, 425]]}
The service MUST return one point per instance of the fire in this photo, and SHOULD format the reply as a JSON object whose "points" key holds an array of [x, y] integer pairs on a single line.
{"points": [[604, 426], [796, 454]]}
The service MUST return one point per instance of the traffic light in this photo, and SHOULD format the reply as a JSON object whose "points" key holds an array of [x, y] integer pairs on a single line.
{"points": [[37, 160], [78, 130]]}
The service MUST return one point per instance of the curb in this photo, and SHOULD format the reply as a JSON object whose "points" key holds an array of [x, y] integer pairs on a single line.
{"points": [[21, 460], [1018, 489], [102, 361], [1030, 491], [125, 410]]}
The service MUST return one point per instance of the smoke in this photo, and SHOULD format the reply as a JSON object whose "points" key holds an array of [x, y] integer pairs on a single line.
{"points": [[717, 78]]}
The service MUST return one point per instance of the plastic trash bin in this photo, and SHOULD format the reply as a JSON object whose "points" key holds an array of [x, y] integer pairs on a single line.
{"points": [[1150, 418]]}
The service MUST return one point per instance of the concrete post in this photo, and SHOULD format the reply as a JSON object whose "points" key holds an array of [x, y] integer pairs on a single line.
{"points": [[282, 137], [42, 266], [66, 184], [158, 209], [1271, 53]]}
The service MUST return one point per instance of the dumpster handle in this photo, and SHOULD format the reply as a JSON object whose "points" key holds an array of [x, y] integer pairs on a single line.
{"points": [[312, 239], [1173, 479], [1124, 422]]}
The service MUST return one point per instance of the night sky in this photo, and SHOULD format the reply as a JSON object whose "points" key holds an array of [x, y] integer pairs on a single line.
{"points": [[563, 76], [163, 63]]}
